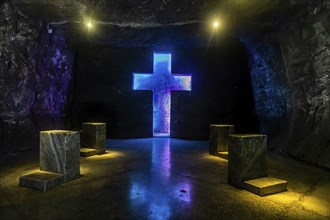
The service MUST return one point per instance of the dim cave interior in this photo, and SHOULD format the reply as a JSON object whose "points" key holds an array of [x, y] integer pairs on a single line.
{"points": [[262, 66]]}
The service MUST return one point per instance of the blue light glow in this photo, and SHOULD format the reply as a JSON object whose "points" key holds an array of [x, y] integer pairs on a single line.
{"points": [[161, 82]]}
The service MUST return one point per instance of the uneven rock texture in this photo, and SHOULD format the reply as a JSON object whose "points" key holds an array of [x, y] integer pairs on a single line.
{"points": [[270, 83], [35, 70], [305, 47], [18, 43], [290, 72]]}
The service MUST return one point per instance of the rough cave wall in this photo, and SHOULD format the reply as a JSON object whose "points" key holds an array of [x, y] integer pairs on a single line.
{"points": [[35, 69], [305, 46], [270, 85], [290, 73]]}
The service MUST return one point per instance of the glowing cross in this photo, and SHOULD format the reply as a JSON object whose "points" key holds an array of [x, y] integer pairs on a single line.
{"points": [[162, 82]]}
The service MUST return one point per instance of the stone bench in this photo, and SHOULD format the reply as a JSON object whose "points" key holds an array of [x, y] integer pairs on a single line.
{"points": [[218, 139], [247, 165], [59, 160], [93, 138]]}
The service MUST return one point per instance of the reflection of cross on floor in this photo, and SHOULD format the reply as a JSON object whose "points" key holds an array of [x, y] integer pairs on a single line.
{"points": [[162, 82], [157, 195]]}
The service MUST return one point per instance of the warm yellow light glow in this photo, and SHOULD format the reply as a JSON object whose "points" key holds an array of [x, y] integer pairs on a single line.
{"points": [[89, 24], [216, 24]]}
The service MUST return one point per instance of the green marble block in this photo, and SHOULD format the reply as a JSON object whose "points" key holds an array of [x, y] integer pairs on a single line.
{"points": [[218, 141], [59, 160], [60, 153], [93, 135], [246, 158]]}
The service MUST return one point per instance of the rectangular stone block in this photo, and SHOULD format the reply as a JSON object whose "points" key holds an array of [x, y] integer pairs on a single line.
{"points": [[265, 186], [60, 153], [41, 180], [246, 157], [218, 140], [93, 135]]}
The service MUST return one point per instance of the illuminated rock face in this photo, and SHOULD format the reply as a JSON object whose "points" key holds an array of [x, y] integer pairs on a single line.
{"points": [[59, 153], [246, 158], [35, 73], [219, 137], [93, 135], [162, 82], [290, 78]]}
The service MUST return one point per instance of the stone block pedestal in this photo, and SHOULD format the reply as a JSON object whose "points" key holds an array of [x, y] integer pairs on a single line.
{"points": [[247, 165], [59, 160], [246, 158], [93, 138], [218, 140]]}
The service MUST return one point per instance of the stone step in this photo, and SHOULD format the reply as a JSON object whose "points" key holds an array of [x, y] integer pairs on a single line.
{"points": [[42, 180], [87, 152], [265, 186], [222, 154]]}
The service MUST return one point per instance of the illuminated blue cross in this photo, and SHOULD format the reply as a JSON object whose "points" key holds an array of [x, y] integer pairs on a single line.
{"points": [[162, 82]]}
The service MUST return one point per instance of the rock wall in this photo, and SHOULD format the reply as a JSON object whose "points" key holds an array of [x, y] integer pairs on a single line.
{"points": [[305, 47], [35, 69], [290, 67], [270, 83]]}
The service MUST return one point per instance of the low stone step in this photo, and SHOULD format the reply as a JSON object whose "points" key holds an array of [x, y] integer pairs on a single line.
{"points": [[265, 185], [87, 152], [41, 180], [223, 154]]}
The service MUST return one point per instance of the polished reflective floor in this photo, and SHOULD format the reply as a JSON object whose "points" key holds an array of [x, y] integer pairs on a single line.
{"points": [[162, 178]]}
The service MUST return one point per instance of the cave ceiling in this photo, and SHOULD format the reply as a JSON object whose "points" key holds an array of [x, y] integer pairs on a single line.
{"points": [[119, 21]]}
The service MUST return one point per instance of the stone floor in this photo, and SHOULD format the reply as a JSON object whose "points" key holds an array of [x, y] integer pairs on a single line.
{"points": [[162, 178]]}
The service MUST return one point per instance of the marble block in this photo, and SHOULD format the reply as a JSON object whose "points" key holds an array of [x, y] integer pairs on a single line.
{"points": [[93, 135], [218, 141], [246, 157], [265, 186], [41, 180], [60, 153]]}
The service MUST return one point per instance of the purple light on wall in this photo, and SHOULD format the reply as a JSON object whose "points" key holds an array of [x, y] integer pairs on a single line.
{"points": [[161, 82]]}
